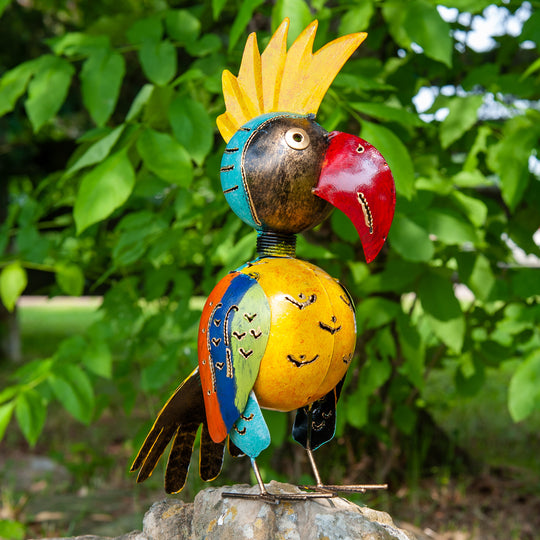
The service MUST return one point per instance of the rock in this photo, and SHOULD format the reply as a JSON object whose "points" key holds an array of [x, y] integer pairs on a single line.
{"points": [[218, 517], [214, 517]]}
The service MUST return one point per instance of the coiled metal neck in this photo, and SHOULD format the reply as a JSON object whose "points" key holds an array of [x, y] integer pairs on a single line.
{"points": [[273, 244]]}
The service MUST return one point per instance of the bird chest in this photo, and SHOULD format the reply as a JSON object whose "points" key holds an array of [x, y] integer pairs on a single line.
{"points": [[293, 321]]}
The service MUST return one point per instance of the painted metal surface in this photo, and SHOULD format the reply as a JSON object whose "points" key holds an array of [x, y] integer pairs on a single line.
{"points": [[278, 332], [356, 179]]}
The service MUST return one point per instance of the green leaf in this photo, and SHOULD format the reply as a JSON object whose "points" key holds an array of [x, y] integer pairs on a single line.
{"points": [[104, 189], [374, 312], [404, 418], [98, 151], [531, 28], [242, 19], [73, 389], [410, 240], [451, 332], [462, 115], [78, 44], [450, 228], [13, 281], [217, 7], [356, 408], [30, 411], [398, 276], [159, 373], [165, 157], [412, 349], [395, 153], [277, 425], [141, 99], [14, 83], [387, 113], [436, 293], [425, 27], [138, 231], [479, 146], [9, 529], [394, 12], [42, 103], [3, 5], [182, 26], [472, 6], [470, 376], [298, 12], [143, 30], [6, 411], [525, 282], [101, 78], [535, 66], [158, 61], [356, 18], [482, 279], [97, 357], [8, 393], [510, 157], [442, 308], [208, 44], [343, 227], [192, 127], [468, 179], [475, 209], [524, 389], [374, 374], [70, 279]]}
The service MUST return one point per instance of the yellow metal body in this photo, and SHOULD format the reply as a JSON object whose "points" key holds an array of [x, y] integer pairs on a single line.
{"points": [[312, 337]]}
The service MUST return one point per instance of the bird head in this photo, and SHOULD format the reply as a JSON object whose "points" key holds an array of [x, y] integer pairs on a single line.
{"points": [[281, 171]]}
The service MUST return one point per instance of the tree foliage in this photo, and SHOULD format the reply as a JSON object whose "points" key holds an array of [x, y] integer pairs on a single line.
{"points": [[111, 160]]}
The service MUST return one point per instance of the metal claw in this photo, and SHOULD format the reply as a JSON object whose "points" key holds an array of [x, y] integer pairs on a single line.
{"points": [[335, 489], [276, 498]]}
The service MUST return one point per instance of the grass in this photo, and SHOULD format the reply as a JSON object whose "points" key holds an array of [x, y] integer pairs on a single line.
{"points": [[44, 323]]}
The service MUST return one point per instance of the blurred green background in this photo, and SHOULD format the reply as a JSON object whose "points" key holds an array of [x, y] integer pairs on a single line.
{"points": [[113, 230]]}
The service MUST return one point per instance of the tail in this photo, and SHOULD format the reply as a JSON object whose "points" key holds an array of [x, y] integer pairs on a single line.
{"points": [[179, 419]]}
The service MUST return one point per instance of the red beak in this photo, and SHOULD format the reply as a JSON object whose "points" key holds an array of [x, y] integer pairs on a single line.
{"points": [[356, 179]]}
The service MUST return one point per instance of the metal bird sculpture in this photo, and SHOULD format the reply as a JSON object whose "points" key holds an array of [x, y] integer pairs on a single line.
{"points": [[277, 333]]}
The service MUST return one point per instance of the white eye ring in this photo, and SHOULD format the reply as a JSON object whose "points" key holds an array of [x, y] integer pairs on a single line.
{"points": [[297, 138]]}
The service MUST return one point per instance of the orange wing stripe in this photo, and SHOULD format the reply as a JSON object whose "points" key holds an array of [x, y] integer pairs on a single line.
{"points": [[216, 426]]}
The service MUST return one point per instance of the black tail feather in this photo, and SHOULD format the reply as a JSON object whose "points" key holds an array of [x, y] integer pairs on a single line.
{"points": [[180, 457], [210, 457], [180, 419]]}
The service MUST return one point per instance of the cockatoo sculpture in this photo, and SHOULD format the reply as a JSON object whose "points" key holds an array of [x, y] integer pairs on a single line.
{"points": [[277, 333]]}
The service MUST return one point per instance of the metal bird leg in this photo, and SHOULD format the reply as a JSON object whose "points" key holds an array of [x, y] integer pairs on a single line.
{"points": [[276, 498], [331, 488]]}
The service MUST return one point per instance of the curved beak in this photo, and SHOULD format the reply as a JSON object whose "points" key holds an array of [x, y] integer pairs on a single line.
{"points": [[356, 179]]}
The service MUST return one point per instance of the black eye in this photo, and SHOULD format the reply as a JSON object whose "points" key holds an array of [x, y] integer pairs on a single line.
{"points": [[297, 138]]}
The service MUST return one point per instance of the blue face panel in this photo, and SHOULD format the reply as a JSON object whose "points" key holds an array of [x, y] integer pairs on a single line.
{"points": [[232, 181]]}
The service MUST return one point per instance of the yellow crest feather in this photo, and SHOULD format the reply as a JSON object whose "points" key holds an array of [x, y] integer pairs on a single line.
{"points": [[293, 81]]}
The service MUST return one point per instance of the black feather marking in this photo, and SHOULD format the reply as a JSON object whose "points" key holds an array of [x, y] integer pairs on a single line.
{"points": [[180, 457], [211, 456]]}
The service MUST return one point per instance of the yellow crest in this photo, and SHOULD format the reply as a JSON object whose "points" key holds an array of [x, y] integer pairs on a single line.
{"points": [[278, 80]]}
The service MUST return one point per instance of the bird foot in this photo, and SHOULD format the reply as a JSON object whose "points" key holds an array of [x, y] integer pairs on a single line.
{"points": [[335, 489], [276, 498]]}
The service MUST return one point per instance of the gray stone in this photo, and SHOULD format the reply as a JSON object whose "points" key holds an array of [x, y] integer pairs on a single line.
{"points": [[215, 517]]}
